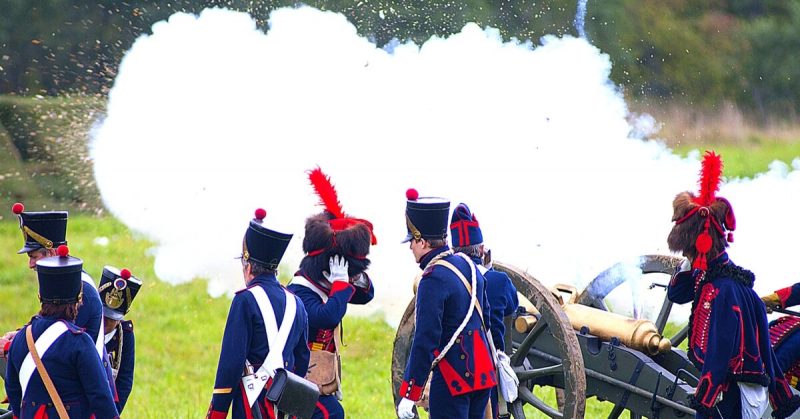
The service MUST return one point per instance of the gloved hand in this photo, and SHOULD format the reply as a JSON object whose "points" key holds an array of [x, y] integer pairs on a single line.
{"points": [[405, 409], [772, 301], [338, 269]]}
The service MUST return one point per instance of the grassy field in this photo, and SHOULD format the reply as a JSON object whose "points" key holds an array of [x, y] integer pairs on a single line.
{"points": [[179, 328]]}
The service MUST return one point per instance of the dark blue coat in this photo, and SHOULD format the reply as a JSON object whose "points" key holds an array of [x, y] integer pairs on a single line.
{"points": [[441, 305], [76, 371], [122, 354], [245, 338], [323, 317], [729, 335], [503, 301], [785, 337], [90, 313]]}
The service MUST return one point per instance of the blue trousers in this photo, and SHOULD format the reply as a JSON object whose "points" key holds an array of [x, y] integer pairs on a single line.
{"points": [[465, 406], [328, 408]]}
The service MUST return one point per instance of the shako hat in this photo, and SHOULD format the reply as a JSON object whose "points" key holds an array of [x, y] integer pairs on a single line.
{"points": [[60, 278], [117, 289], [464, 227], [40, 230], [426, 217], [263, 245], [704, 223]]}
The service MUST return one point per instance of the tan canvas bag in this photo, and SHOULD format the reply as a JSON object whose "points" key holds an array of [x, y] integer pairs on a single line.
{"points": [[325, 368]]}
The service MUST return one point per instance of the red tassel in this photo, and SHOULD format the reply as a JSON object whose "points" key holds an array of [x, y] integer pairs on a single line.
{"points": [[730, 237]]}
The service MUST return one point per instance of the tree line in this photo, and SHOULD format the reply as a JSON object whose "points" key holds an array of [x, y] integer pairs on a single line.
{"points": [[699, 52]]}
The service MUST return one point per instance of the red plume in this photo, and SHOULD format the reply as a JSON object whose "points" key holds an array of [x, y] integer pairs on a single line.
{"points": [[710, 175], [326, 192]]}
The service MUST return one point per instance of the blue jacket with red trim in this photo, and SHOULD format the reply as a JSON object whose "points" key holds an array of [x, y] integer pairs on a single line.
{"points": [[790, 296], [441, 304], [125, 357], [245, 338], [323, 317], [729, 335], [74, 367], [503, 301]]}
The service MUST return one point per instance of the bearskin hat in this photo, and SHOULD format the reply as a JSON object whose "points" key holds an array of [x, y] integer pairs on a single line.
{"points": [[332, 232], [702, 221]]}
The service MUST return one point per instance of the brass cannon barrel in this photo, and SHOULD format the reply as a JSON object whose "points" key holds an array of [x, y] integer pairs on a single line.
{"points": [[639, 334]]}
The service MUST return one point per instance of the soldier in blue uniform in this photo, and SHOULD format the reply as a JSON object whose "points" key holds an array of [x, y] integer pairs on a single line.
{"points": [[70, 366], [783, 332], [463, 377], [332, 275], [244, 343], [43, 232], [118, 288], [467, 238], [728, 335]]}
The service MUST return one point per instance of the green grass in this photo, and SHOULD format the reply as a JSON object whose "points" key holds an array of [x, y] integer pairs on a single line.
{"points": [[179, 328], [745, 160]]}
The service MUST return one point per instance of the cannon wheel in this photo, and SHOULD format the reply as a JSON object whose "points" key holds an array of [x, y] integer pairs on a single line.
{"points": [[553, 321]]}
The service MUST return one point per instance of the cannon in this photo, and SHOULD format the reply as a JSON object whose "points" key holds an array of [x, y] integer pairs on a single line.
{"points": [[569, 346]]}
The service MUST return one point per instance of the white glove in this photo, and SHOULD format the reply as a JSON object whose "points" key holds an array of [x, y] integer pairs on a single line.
{"points": [[338, 270], [405, 410]]}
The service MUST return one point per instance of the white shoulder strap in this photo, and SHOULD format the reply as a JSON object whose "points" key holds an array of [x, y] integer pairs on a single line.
{"points": [[99, 343], [275, 337], [44, 343], [471, 308], [303, 282]]}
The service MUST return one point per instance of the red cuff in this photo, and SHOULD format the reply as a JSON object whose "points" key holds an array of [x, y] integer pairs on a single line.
{"points": [[784, 295], [7, 346], [214, 414], [341, 285], [410, 390]]}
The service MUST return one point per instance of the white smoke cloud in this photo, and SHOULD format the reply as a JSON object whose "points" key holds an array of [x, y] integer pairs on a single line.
{"points": [[210, 118]]}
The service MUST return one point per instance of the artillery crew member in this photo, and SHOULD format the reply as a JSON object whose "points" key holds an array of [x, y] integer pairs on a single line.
{"points": [[783, 332], [43, 232], [332, 275], [244, 344], [449, 336], [118, 288], [62, 375], [728, 333], [467, 238]]}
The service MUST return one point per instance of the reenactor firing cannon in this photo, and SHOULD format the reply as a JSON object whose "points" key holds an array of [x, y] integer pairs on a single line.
{"points": [[578, 347]]}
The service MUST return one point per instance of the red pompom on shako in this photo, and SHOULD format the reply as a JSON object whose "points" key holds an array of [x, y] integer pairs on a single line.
{"points": [[412, 194], [17, 208], [62, 250], [125, 274], [261, 213]]}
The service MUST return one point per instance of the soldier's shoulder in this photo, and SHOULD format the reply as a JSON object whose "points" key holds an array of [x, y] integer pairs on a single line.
{"points": [[75, 329]]}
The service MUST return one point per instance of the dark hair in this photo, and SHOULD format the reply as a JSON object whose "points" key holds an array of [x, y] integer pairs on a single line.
{"points": [[473, 250], [60, 311], [436, 243], [257, 269]]}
